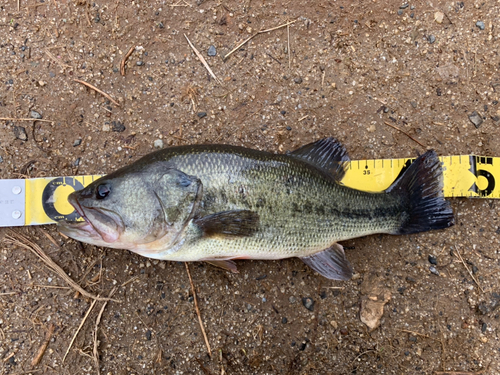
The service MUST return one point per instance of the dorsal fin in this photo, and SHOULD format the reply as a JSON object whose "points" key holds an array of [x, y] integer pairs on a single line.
{"points": [[327, 154]]}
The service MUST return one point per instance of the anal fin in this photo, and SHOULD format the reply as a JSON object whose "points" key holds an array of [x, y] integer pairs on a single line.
{"points": [[331, 263], [227, 265]]}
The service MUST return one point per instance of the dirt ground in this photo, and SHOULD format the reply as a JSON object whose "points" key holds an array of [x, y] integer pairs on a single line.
{"points": [[342, 69]]}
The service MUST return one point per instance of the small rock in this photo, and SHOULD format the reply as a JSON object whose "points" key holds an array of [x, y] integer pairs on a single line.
{"points": [[284, 320], [139, 63], [292, 299], [117, 126], [308, 303], [77, 162], [476, 119], [344, 331], [1, 159], [400, 12], [201, 114], [106, 127], [297, 80], [439, 17], [484, 327], [431, 39], [78, 142], [413, 104], [434, 270], [433, 260], [212, 51], [404, 6], [148, 335], [410, 280], [158, 143], [334, 324], [20, 133], [35, 114], [288, 128], [480, 25]]}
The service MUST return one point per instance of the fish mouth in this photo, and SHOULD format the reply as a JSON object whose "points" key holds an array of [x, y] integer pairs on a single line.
{"points": [[99, 224]]}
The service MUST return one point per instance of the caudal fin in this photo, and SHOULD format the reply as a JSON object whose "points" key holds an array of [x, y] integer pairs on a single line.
{"points": [[420, 189]]}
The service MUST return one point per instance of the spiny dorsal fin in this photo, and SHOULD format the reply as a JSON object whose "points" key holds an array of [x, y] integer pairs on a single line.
{"points": [[327, 154], [232, 223]]}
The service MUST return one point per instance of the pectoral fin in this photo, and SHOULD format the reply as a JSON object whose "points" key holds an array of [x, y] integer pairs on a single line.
{"points": [[331, 263], [231, 223], [227, 265]]}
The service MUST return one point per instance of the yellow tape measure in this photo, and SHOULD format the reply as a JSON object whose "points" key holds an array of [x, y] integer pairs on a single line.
{"points": [[44, 200]]}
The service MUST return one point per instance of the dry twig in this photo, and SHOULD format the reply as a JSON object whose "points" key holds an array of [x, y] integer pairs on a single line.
{"points": [[467, 268], [79, 328], [124, 60], [96, 89], [202, 59], [254, 35], [198, 311], [45, 344], [24, 119], [97, 321], [405, 133], [21, 241]]}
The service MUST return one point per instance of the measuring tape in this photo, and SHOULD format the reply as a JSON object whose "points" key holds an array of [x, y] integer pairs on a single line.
{"points": [[39, 201]]}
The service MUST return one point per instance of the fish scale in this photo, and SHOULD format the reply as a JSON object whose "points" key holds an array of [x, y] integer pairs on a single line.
{"points": [[215, 203], [288, 186]]}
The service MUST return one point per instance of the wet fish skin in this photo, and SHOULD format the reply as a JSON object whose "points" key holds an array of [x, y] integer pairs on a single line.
{"points": [[217, 203]]}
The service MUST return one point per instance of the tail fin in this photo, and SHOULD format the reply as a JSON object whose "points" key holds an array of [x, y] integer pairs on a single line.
{"points": [[420, 190]]}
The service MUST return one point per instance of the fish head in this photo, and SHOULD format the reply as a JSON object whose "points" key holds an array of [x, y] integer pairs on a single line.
{"points": [[143, 211]]}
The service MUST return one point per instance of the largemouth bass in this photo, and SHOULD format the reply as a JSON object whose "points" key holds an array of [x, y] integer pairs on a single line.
{"points": [[217, 203]]}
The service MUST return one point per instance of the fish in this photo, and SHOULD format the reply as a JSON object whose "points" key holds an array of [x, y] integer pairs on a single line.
{"points": [[220, 203]]}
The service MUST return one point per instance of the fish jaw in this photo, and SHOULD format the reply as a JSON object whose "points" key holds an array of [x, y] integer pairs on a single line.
{"points": [[100, 227]]}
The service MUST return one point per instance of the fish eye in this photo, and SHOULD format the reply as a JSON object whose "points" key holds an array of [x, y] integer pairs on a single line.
{"points": [[102, 191]]}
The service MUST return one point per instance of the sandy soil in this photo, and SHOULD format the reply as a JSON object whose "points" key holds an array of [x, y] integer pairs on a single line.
{"points": [[344, 70]]}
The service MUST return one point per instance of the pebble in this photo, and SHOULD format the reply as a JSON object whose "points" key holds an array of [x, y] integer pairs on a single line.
{"points": [[292, 299], [297, 80], [148, 335], [78, 142], [476, 119], [158, 143], [439, 17], [400, 12], [1, 159], [288, 128], [431, 39], [410, 279], [20, 133], [308, 303], [139, 63], [404, 6], [201, 114], [433, 260], [284, 320], [434, 270], [106, 127], [117, 126], [35, 114], [212, 51], [480, 25]]}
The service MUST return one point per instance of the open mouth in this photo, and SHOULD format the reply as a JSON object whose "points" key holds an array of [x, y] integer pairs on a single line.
{"points": [[98, 223]]}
